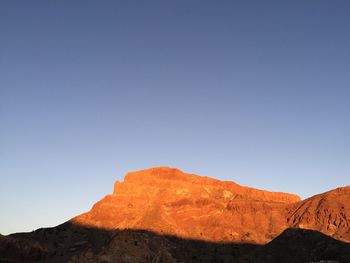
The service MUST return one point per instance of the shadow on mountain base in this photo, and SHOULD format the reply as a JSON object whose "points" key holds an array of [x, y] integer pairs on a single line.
{"points": [[74, 243]]}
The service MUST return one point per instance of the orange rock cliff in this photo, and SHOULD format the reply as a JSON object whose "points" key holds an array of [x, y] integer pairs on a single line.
{"points": [[168, 201]]}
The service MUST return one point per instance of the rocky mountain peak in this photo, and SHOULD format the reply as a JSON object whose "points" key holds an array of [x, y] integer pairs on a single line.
{"points": [[170, 201]]}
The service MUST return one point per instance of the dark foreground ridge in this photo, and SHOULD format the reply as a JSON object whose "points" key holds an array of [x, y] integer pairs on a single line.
{"points": [[73, 243]]}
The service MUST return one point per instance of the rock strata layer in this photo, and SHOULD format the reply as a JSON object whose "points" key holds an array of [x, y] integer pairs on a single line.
{"points": [[168, 201], [328, 213]]}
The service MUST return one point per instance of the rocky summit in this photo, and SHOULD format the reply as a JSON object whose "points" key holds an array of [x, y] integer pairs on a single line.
{"points": [[165, 215], [168, 201], [328, 213]]}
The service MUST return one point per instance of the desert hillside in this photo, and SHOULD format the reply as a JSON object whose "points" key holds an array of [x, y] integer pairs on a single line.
{"points": [[165, 215], [168, 201]]}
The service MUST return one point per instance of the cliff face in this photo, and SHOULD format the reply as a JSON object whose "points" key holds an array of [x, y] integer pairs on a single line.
{"points": [[328, 213], [169, 201]]}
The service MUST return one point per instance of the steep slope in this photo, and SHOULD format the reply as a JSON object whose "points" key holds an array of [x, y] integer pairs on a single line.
{"points": [[76, 244], [21, 250], [168, 201], [300, 245], [293, 245], [328, 213]]}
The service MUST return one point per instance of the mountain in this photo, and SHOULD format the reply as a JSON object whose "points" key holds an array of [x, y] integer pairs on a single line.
{"points": [[165, 215], [301, 245], [169, 201], [328, 213]]}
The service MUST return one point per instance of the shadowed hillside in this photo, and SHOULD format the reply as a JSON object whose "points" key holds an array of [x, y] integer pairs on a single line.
{"points": [[73, 243]]}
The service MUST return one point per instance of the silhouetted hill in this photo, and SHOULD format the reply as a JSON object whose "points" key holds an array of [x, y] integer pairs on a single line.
{"points": [[301, 245], [73, 243]]}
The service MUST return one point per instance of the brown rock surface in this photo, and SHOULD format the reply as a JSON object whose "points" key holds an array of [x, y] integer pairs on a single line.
{"points": [[169, 201], [328, 213]]}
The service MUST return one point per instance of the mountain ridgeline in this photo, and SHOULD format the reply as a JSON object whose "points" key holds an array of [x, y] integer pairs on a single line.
{"points": [[165, 215]]}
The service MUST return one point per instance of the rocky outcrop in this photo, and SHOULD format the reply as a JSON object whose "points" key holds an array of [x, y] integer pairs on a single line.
{"points": [[328, 213], [169, 201]]}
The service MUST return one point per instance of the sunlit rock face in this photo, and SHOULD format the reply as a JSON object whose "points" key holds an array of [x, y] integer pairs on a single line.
{"points": [[328, 213], [169, 201]]}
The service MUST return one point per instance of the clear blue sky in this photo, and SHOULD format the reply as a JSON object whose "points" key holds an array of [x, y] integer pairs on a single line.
{"points": [[256, 92]]}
